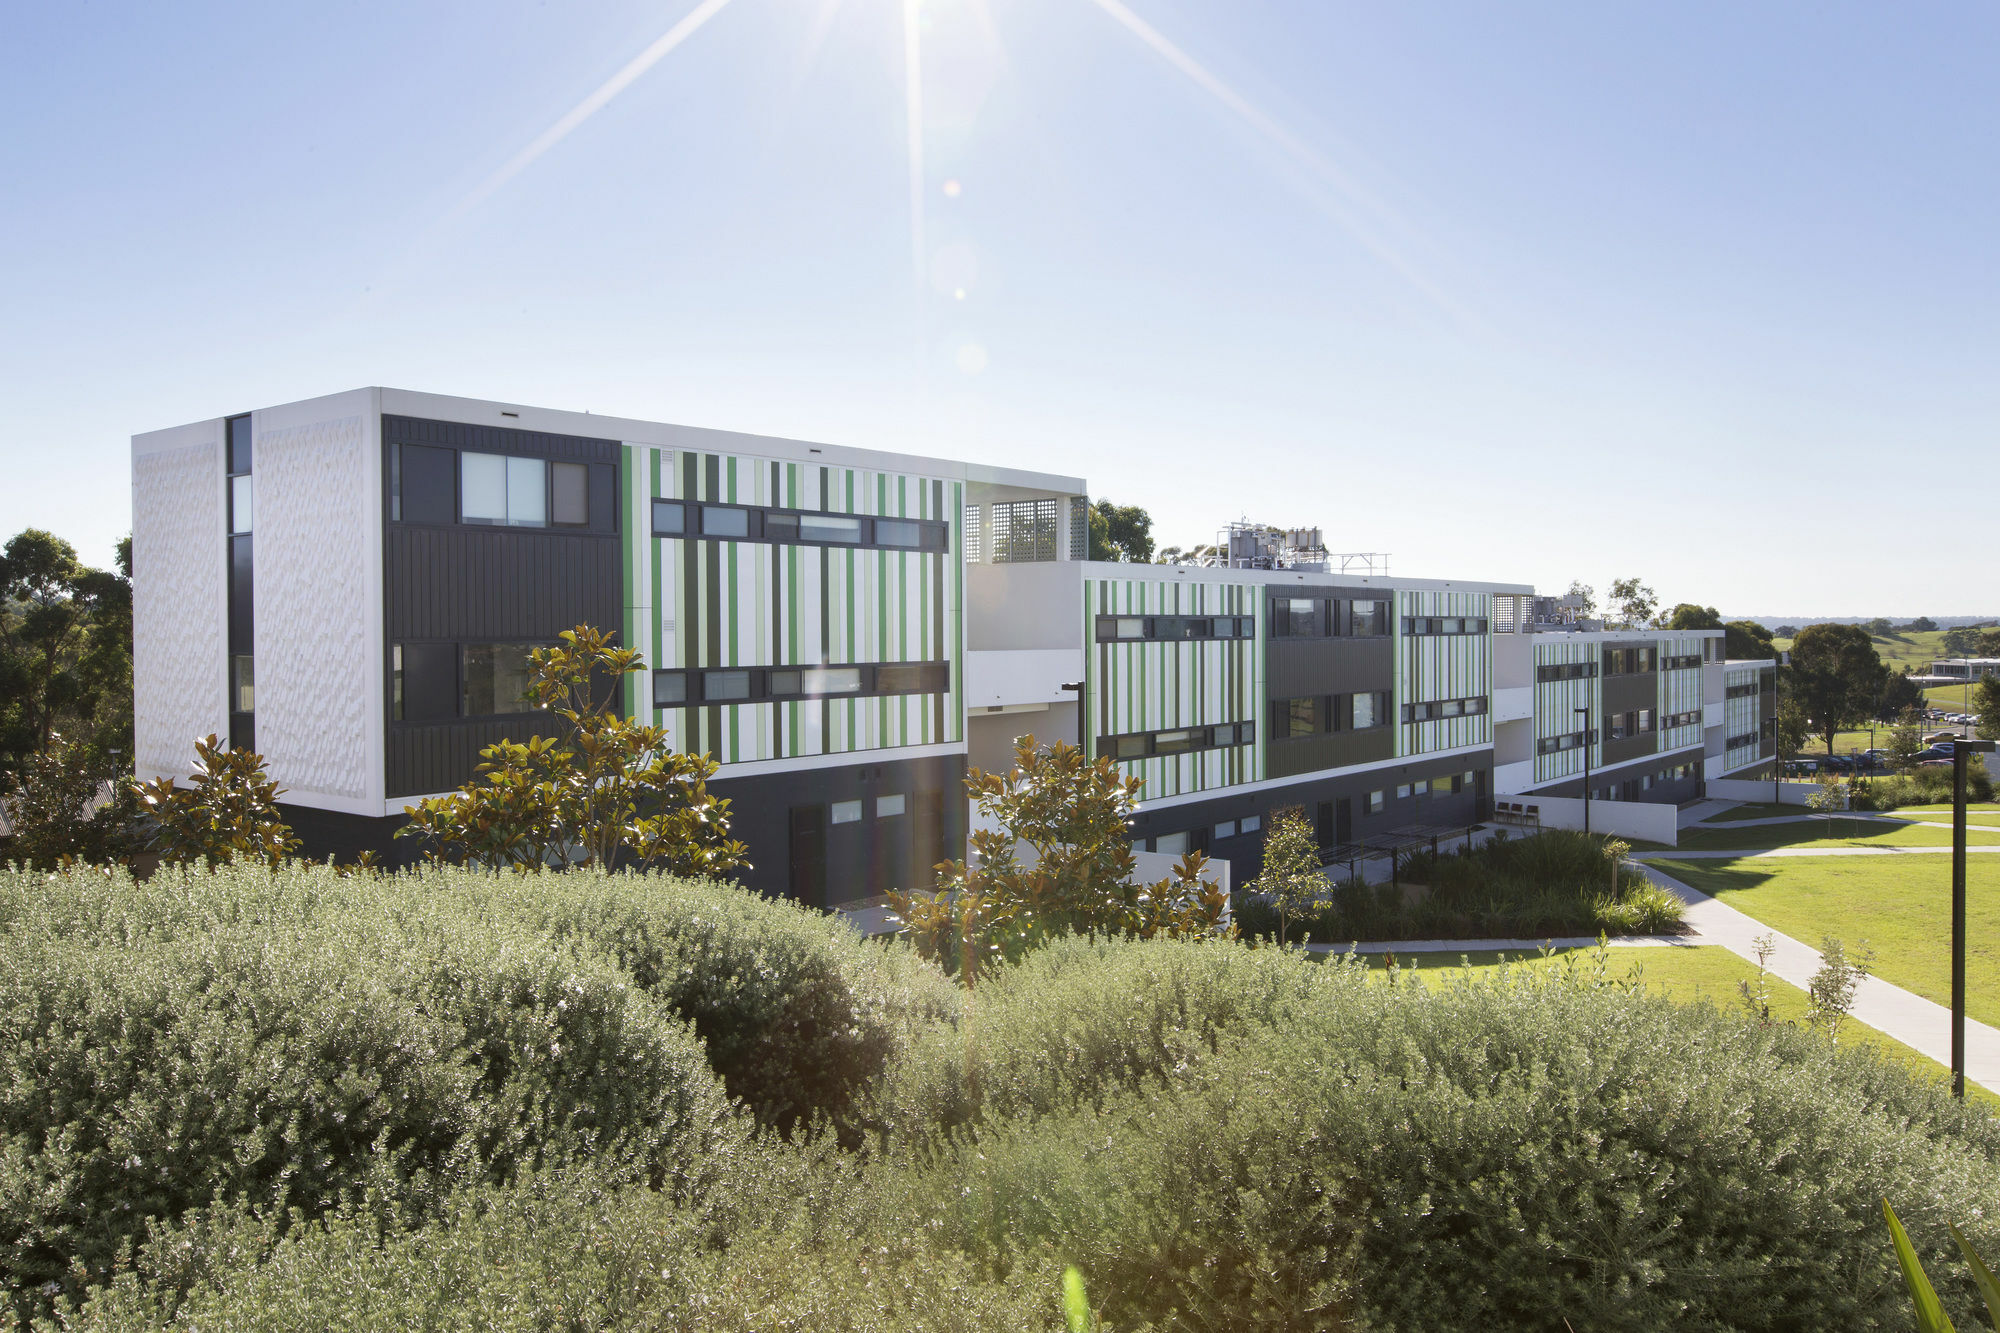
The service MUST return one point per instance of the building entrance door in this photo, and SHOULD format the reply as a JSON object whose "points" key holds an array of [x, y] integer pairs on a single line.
{"points": [[808, 848]]}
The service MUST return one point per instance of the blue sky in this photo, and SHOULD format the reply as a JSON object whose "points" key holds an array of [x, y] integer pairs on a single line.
{"points": [[1708, 294]]}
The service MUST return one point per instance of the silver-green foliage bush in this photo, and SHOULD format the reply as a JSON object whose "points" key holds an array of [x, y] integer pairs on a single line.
{"points": [[289, 1041], [798, 1013]]}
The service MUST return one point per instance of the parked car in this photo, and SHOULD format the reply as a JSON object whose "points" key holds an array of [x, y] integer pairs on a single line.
{"points": [[1941, 738]]}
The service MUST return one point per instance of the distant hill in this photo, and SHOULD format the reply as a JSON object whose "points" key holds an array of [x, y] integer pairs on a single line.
{"points": [[1942, 622]]}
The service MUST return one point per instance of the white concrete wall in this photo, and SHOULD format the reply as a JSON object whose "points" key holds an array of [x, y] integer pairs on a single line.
{"points": [[1626, 819], [998, 677], [1033, 605], [180, 596], [317, 467], [1753, 789]]}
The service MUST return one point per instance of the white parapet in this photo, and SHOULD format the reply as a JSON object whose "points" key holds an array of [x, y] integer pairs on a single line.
{"points": [[997, 677]]}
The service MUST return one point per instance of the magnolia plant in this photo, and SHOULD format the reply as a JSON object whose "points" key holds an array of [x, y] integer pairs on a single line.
{"points": [[608, 790], [227, 812], [1073, 816]]}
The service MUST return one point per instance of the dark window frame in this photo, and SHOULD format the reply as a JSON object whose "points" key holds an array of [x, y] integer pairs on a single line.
{"points": [[1162, 629], [1472, 706], [1213, 736], [771, 525], [767, 684]]}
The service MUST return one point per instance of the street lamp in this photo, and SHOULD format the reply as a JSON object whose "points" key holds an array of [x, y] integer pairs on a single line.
{"points": [[1777, 760], [1961, 756], [1585, 710]]}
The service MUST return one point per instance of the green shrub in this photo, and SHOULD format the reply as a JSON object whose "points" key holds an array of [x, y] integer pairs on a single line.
{"points": [[1483, 1156], [798, 1012], [1920, 786], [292, 1040]]}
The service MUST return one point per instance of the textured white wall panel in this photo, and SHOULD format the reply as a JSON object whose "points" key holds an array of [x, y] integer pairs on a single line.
{"points": [[318, 523], [180, 598]]}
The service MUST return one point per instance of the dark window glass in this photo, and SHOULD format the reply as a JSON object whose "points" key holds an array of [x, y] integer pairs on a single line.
{"points": [[429, 484], [781, 684], [1370, 619], [497, 677], [781, 528], [670, 689], [244, 685], [1173, 742], [426, 685], [724, 686], [897, 532], [1302, 716], [911, 678], [569, 494], [669, 518], [239, 445], [717, 521]]}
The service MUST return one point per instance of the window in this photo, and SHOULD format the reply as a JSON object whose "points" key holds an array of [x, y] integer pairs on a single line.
{"points": [[1421, 788], [1174, 844], [1572, 741], [499, 490], [1131, 747], [1682, 663], [1250, 823], [1305, 717], [1672, 720], [1298, 618], [670, 689], [724, 686], [423, 484], [888, 807], [1170, 628], [834, 528], [898, 532], [1173, 742], [497, 677], [831, 680], [1369, 619], [1429, 626], [569, 494], [724, 521], [669, 518], [1181, 740], [424, 682], [1128, 627], [1024, 531], [242, 498], [1370, 710], [1375, 802], [239, 445], [1402, 791], [1226, 829], [244, 685], [1444, 708], [844, 812], [912, 678], [1565, 671]]}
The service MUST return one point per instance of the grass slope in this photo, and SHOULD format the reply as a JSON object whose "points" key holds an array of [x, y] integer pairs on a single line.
{"points": [[1900, 906]]}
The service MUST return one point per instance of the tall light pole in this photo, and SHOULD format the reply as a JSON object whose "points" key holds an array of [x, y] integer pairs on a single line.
{"points": [[1585, 710], [1961, 756], [1777, 760]]}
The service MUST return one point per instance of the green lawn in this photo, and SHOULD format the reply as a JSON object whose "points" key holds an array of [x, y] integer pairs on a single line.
{"points": [[1900, 905], [1689, 974]]}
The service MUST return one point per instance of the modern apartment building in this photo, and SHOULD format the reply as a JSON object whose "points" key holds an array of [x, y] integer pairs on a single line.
{"points": [[351, 585]]}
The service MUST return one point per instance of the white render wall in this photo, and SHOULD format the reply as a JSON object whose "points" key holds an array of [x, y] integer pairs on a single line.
{"points": [[317, 470], [180, 596]]}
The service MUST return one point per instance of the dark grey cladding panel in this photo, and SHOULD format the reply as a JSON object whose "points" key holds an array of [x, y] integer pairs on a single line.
{"points": [[1294, 755], [1623, 694], [1632, 747], [474, 585], [1298, 667], [424, 758], [498, 440]]}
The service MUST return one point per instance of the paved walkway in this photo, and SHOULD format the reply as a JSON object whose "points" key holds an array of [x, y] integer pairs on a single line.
{"points": [[1750, 855], [1856, 816], [1523, 947], [1916, 1022]]}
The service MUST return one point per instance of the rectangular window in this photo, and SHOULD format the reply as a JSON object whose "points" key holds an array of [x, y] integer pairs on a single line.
{"points": [[844, 812], [1375, 802], [482, 488], [527, 493], [1174, 844], [239, 445], [1370, 619], [912, 678], [1172, 742], [831, 680], [724, 686], [1370, 710], [1129, 627], [497, 677], [723, 521], [1251, 823], [1303, 716], [244, 698], [1402, 791], [242, 498], [669, 518], [670, 689], [569, 494], [888, 807], [1422, 788], [829, 528], [1226, 829], [426, 485], [1645, 720], [898, 532], [1130, 747]]}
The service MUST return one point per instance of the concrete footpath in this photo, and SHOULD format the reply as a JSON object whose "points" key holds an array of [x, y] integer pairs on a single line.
{"points": [[1910, 1019]]}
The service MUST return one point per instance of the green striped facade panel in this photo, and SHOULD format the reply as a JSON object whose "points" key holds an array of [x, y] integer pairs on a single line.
{"points": [[1742, 717], [1556, 703], [1445, 666], [1161, 686], [702, 603], [1680, 692]]}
